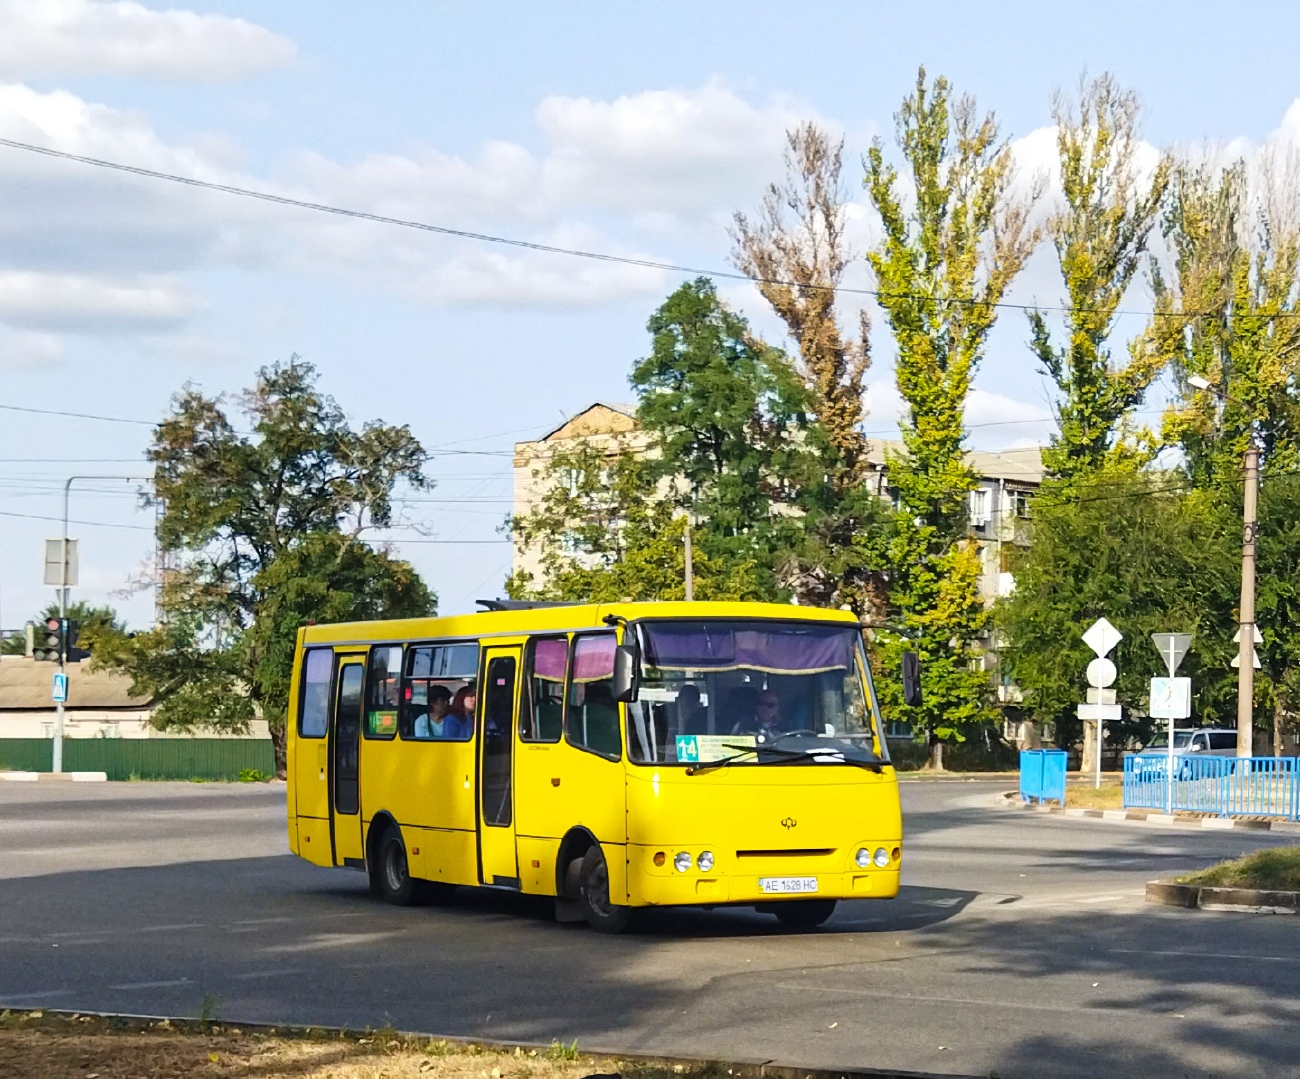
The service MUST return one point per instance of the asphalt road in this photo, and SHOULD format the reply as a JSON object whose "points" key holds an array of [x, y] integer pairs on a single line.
{"points": [[1020, 945]]}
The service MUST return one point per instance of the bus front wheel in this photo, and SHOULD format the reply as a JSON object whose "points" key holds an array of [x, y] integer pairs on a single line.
{"points": [[803, 913], [600, 913]]}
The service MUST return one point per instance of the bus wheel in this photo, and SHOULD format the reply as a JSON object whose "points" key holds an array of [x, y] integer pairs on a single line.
{"points": [[593, 891], [395, 883], [803, 913]]}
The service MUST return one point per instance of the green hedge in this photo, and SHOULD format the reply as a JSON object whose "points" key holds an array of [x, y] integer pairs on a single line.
{"points": [[144, 758]]}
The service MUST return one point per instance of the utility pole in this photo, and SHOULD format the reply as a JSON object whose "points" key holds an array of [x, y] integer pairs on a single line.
{"points": [[1246, 607], [56, 765], [1246, 614]]}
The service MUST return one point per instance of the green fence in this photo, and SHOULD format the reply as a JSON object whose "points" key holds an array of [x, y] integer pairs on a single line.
{"points": [[144, 758]]}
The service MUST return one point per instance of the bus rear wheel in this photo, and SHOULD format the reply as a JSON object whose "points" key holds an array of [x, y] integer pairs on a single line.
{"points": [[392, 878], [593, 894], [804, 913]]}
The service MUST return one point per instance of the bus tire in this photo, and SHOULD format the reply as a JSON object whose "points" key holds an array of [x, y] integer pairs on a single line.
{"points": [[593, 894], [396, 885], [804, 913]]}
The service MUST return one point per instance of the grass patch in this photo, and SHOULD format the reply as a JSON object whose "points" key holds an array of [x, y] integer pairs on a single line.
{"points": [[38, 1044], [1276, 869], [1107, 796]]}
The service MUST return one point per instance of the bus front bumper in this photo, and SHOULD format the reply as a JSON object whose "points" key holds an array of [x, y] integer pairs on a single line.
{"points": [[651, 885]]}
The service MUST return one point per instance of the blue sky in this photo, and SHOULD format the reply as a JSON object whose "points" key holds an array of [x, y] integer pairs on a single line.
{"points": [[593, 125]]}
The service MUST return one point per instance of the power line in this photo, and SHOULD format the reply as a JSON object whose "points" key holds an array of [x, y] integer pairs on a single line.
{"points": [[73, 521], [552, 249], [75, 415]]}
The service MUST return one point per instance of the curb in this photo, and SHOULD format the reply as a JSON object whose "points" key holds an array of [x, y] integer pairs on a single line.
{"points": [[1154, 817], [1237, 900], [745, 1068], [44, 777]]}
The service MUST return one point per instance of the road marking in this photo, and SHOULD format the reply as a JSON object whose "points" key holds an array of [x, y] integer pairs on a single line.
{"points": [[153, 985], [1210, 955], [10, 1000], [257, 974]]}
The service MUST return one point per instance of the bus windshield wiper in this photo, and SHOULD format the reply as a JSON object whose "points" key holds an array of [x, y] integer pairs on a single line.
{"points": [[721, 762], [812, 755]]}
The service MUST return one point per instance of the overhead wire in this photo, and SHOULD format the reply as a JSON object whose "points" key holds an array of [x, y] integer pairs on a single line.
{"points": [[571, 252]]}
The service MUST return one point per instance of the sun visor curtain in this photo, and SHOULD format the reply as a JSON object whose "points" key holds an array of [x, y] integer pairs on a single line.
{"points": [[549, 659], [786, 649]]}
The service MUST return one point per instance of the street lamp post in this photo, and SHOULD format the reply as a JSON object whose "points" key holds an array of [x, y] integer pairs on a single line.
{"points": [[56, 764], [1246, 606]]}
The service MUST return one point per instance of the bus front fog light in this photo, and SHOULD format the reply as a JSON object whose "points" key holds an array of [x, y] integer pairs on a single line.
{"points": [[882, 857], [863, 857], [682, 862], [705, 861]]}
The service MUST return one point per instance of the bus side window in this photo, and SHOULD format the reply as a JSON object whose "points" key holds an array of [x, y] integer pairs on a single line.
{"points": [[541, 715], [592, 714], [383, 680], [314, 695]]}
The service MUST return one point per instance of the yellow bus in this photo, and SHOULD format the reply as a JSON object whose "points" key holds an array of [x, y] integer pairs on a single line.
{"points": [[612, 756]]}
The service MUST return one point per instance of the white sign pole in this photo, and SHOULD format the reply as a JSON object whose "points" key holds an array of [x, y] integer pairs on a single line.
{"points": [[1169, 798]]}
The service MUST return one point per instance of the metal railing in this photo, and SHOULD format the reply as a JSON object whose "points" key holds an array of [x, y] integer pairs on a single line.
{"points": [[1223, 786]]}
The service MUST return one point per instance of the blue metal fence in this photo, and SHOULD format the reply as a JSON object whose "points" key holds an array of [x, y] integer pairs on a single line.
{"points": [[1224, 786], [1042, 775]]}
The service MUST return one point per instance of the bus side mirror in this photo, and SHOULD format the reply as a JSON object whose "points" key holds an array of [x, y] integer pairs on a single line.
{"points": [[623, 683], [911, 679]]}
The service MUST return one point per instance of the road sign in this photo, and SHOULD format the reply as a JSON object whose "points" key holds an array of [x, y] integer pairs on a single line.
{"points": [[1172, 648], [54, 570], [1171, 698], [1101, 673], [1259, 639], [1094, 713], [60, 689], [1101, 637]]}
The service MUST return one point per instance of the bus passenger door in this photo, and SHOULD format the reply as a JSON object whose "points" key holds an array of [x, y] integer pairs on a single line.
{"points": [[497, 695], [345, 793]]}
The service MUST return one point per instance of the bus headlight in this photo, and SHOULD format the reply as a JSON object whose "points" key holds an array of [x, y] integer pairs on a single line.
{"points": [[682, 862], [863, 857], [882, 857], [705, 861]]}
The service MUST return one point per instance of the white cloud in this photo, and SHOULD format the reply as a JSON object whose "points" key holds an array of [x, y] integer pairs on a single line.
{"points": [[625, 176], [86, 304], [30, 350], [664, 150], [85, 37]]}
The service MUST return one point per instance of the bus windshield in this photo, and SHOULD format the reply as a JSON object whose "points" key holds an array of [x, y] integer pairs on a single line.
{"points": [[760, 692]]}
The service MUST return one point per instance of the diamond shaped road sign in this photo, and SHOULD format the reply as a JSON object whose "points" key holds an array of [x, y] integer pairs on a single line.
{"points": [[1172, 648], [1101, 637]]}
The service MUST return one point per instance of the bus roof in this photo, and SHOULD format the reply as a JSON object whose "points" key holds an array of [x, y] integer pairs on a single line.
{"points": [[558, 618]]}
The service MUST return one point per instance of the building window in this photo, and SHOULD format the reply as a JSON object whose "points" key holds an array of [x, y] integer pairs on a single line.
{"points": [[1018, 503], [979, 506]]}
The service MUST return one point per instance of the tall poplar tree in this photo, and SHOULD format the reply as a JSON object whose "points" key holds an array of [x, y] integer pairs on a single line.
{"points": [[796, 252], [1110, 205], [955, 236]]}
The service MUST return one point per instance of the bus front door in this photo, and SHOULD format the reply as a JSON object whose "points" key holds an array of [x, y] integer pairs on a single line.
{"points": [[345, 790], [497, 696]]}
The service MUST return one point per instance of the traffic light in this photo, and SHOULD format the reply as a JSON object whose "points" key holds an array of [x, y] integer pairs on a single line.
{"points": [[73, 654], [49, 640]]}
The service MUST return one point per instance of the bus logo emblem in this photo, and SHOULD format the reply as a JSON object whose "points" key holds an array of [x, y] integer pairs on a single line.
{"points": [[788, 823]]}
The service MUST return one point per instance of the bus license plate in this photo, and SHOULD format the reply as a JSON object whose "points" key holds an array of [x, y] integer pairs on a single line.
{"points": [[788, 885]]}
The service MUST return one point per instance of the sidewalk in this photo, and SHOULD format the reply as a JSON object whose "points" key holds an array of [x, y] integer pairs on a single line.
{"points": [[1154, 818]]}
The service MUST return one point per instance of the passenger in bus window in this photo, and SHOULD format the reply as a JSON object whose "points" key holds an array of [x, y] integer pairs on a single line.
{"points": [[459, 724], [433, 723]]}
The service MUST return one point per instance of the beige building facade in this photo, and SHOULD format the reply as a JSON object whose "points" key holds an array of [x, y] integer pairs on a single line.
{"points": [[999, 506]]}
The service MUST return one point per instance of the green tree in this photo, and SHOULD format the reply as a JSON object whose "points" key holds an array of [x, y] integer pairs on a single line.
{"points": [[1110, 206], [267, 526], [1148, 554], [954, 238], [796, 253], [91, 619]]}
